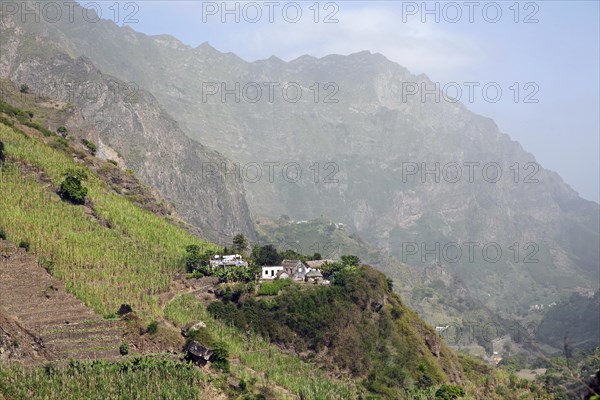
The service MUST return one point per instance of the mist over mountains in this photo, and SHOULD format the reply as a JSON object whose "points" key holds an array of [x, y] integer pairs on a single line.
{"points": [[415, 177]]}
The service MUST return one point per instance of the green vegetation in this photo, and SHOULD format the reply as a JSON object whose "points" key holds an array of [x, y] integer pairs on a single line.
{"points": [[152, 328], [257, 354], [90, 146], [197, 259], [220, 357], [24, 244], [380, 343], [121, 254], [449, 392], [240, 244], [24, 88], [266, 255], [138, 378], [113, 253], [124, 349], [273, 288], [71, 188], [197, 264]]}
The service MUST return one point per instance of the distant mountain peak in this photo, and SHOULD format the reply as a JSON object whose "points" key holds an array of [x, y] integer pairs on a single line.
{"points": [[205, 46], [170, 41]]}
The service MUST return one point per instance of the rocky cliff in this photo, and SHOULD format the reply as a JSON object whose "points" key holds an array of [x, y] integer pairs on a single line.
{"points": [[128, 123]]}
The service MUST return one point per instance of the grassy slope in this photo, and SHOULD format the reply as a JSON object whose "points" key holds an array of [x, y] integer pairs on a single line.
{"points": [[134, 379], [131, 262], [128, 263], [257, 354]]}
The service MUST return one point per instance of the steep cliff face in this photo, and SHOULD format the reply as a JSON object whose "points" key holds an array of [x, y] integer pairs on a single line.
{"points": [[131, 122], [362, 146]]}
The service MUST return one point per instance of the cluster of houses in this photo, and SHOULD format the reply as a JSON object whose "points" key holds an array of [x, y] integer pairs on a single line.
{"points": [[300, 271], [296, 270]]}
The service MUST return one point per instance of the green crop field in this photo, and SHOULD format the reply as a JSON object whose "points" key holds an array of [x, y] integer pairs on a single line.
{"points": [[129, 262]]}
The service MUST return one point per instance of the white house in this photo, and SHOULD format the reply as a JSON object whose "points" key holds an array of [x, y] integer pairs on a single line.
{"points": [[234, 260], [270, 272]]}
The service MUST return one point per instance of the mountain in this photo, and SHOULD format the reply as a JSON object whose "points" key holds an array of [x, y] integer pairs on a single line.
{"points": [[357, 147], [574, 321], [114, 254], [128, 125]]}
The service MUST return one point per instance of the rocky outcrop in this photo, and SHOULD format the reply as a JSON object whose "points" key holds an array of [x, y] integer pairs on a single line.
{"points": [[130, 121]]}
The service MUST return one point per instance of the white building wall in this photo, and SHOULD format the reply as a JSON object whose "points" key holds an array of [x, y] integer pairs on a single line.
{"points": [[270, 272]]}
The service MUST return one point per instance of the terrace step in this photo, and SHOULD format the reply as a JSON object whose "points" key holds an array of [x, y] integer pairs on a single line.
{"points": [[40, 303]]}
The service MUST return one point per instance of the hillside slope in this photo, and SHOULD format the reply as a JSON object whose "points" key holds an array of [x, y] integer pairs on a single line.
{"points": [[109, 251], [361, 144], [61, 324], [131, 123]]}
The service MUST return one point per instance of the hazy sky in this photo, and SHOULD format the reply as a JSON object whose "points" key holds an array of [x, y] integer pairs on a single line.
{"points": [[550, 49]]}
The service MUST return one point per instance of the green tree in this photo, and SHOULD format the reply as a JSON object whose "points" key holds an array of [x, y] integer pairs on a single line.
{"points": [[24, 88], [350, 260], [197, 260], [2, 155], [266, 255], [329, 269], [240, 244], [289, 254], [71, 188]]}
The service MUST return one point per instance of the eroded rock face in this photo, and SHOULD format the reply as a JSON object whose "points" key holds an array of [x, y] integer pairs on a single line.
{"points": [[131, 122]]}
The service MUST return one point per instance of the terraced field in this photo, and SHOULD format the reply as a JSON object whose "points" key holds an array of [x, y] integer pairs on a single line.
{"points": [[65, 327]]}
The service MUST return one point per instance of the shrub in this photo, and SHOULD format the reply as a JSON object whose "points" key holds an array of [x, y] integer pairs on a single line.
{"points": [[350, 260], [124, 349], [60, 144], [24, 88], [124, 309], [202, 336], [90, 146], [220, 357], [6, 122], [449, 392], [71, 188], [2, 155], [113, 162], [2, 234], [24, 244], [62, 130], [152, 328]]}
